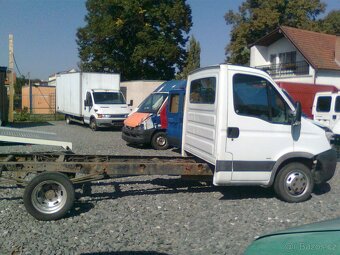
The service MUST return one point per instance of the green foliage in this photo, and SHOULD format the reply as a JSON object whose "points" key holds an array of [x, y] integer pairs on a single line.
{"points": [[141, 39], [20, 82], [194, 59], [256, 18], [22, 116], [331, 23]]}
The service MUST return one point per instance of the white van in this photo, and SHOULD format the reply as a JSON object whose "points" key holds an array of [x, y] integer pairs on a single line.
{"points": [[326, 108], [237, 119]]}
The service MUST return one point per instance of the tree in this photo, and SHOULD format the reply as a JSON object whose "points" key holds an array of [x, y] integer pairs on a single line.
{"points": [[194, 58], [256, 18], [141, 39], [331, 23], [20, 82]]}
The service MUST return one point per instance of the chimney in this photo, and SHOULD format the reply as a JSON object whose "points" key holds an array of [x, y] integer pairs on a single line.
{"points": [[337, 49]]}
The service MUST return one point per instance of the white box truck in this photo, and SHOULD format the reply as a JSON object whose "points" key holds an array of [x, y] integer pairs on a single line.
{"points": [[91, 98]]}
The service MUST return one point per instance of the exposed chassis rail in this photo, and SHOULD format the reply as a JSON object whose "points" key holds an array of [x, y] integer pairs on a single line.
{"points": [[83, 168]]}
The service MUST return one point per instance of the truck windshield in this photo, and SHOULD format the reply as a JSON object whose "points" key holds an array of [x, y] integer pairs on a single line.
{"points": [[108, 98], [152, 103]]}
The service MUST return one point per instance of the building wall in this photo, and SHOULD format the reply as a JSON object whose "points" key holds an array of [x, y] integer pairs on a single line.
{"points": [[260, 56], [138, 91], [43, 99]]}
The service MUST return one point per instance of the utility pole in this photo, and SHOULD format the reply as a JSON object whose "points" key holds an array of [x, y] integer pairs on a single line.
{"points": [[31, 96], [11, 79]]}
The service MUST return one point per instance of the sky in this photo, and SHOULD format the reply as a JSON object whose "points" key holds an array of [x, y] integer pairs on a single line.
{"points": [[44, 32]]}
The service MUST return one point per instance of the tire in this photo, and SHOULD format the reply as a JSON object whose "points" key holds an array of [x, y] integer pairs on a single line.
{"points": [[294, 183], [68, 120], [159, 141], [49, 196], [93, 124]]}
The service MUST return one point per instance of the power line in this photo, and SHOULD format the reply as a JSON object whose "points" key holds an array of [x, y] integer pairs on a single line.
{"points": [[15, 62]]}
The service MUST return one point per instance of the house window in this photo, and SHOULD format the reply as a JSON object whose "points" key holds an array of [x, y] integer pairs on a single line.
{"points": [[287, 57], [273, 59]]}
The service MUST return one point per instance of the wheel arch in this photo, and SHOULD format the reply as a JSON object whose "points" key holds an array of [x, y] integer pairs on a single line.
{"points": [[301, 157]]}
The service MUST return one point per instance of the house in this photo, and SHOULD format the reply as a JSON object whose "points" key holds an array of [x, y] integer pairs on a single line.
{"points": [[298, 56]]}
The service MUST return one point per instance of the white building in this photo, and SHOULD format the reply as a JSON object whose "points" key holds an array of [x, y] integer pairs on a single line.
{"points": [[295, 55]]}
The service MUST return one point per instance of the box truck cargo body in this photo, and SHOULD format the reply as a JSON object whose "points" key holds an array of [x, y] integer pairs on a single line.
{"points": [[91, 98]]}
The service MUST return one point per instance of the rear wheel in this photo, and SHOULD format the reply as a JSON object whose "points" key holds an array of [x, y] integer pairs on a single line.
{"points": [[49, 196], [294, 183], [159, 141]]}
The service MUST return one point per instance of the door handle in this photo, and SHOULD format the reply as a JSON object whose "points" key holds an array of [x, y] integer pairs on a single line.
{"points": [[233, 132], [334, 117]]}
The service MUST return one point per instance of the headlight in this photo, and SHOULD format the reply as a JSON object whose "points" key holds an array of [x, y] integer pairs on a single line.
{"points": [[103, 116]]}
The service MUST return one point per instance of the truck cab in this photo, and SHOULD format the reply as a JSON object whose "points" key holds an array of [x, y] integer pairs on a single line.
{"points": [[238, 120], [104, 108]]}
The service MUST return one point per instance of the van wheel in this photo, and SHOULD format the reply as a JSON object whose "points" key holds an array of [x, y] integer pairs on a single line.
{"points": [[294, 183], [68, 120], [49, 196], [93, 124], [159, 141]]}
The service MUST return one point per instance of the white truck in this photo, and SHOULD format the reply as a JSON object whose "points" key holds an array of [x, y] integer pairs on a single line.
{"points": [[239, 128], [237, 119], [91, 98]]}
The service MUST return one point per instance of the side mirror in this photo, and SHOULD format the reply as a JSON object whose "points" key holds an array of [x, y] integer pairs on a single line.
{"points": [[297, 115], [131, 103], [86, 103]]}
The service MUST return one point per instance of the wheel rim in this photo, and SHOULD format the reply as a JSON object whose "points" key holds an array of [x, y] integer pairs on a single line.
{"points": [[161, 141], [296, 183], [49, 197]]}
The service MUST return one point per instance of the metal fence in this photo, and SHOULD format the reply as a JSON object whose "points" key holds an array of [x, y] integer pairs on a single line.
{"points": [[41, 104], [286, 69]]}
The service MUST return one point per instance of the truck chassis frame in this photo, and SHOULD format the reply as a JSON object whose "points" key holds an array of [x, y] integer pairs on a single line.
{"points": [[50, 194]]}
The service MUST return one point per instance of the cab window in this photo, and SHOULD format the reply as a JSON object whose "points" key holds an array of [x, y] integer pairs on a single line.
{"points": [[324, 104], [337, 104], [174, 103], [202, 91], [256, 97]]}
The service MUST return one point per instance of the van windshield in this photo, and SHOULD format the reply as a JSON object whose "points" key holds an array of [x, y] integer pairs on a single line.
{"points": [[152, 103], [108, 98]]}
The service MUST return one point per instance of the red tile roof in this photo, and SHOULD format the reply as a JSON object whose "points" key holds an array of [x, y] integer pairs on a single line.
{"points": [[317, 48]]}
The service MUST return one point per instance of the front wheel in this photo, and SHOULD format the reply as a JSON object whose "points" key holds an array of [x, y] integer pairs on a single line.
{"points": [[49, 196], [93, 124], [68, 120], [159, 141], [294, 183]]}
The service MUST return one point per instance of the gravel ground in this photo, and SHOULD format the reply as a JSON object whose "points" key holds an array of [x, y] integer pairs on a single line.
{"points": [[151, 215]]}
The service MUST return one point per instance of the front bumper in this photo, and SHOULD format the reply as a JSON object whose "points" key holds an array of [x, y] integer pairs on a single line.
{"points": [[136, 135], [325, 167], [110, 122]]}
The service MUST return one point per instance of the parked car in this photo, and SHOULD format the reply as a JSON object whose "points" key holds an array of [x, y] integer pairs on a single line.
{"points": [[313, 239]]}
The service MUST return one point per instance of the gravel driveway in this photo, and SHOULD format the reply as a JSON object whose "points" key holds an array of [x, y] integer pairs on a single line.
{"points": [[151, 215]]}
